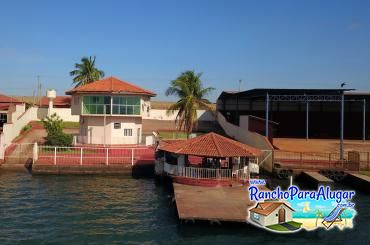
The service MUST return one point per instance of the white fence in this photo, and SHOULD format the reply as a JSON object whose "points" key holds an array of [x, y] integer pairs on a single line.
{"points": [[18, 153], [203, 173], [51, 155]]}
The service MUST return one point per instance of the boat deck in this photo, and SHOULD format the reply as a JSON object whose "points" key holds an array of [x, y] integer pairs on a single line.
{"points": [[219, 204]]}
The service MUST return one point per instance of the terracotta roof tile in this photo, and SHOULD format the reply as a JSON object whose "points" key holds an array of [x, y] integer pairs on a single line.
{"points": [[59, 101], [266, 208], [110, 85], [7, 99], [211, 145]]}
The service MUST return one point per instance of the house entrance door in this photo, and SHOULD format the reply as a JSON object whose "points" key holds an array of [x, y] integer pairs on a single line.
{"points": [[281, 215]]}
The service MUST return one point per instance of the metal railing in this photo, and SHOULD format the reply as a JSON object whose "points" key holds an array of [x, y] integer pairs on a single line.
{"points": [[18, 152], [84, 155], [319, 160], [204, 173]]}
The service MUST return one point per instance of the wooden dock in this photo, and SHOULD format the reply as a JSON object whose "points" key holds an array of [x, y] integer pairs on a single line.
{"points": [[358, 181], [214, 204], [316, 179]]}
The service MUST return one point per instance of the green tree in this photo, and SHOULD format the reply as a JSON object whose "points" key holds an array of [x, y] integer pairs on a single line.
{"points": [[86, 72], [53, 125], [189, 89]]}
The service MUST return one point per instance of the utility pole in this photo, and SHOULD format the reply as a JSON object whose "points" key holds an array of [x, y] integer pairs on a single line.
{"points": [[33, 97], [39, 90], [240, 85], [341, 148]]}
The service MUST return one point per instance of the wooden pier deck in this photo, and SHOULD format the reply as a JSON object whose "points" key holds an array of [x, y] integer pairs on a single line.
{"points": [[362, 177], [317, 179], [358, 181], [215, 204]]}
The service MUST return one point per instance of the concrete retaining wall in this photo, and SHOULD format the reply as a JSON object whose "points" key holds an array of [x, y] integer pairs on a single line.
{"points": [[161, 114], [242, 134], [19, 118]]}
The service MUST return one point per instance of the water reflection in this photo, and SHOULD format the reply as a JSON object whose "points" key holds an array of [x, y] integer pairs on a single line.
{"points": [[106, 209]]}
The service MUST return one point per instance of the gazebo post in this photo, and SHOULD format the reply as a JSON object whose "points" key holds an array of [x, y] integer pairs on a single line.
{"points": [[186, 160]]}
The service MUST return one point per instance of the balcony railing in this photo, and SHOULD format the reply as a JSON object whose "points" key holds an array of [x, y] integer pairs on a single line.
{"points": [[202, 173]]}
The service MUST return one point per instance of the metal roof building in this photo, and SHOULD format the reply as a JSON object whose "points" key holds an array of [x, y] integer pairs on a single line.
{"points": [[302, 113]]}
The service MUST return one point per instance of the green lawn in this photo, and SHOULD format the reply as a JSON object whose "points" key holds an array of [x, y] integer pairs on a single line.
{"points": [[172, 135], [66, 124], [277, 227], [71, 124]]}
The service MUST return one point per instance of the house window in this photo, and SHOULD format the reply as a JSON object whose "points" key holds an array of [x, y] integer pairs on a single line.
{"points": [[117, 125], [96, 104], [256, 216], [126, 105], [127, 132], [3, 118]]}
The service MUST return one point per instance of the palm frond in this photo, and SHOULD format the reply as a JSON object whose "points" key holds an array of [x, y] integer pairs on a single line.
{"points": [[86, 72], [188, 88]]}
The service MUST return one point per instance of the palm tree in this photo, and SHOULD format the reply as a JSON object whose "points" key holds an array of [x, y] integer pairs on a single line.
{"points": [[319, 214], [188, 88], [86, 72]]}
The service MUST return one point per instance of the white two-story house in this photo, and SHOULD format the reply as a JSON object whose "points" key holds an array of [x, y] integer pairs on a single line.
{"points": [[111, 111]]}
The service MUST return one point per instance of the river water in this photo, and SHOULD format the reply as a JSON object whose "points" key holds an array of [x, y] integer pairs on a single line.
{"points": [[116, 209]]}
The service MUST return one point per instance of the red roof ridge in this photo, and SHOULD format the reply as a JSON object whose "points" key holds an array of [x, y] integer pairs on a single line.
{"points": [[134, 85], [215, 142], [111, 85]]}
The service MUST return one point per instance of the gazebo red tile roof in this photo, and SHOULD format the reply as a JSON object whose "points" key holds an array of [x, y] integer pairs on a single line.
{"points": [[211, 145], [111, 85]]}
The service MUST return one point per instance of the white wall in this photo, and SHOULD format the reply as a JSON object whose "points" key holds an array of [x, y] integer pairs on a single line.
{"points": [[161, 114], [63, 113], [92, 130], [242, 134], [273, 218], [19, 118]]}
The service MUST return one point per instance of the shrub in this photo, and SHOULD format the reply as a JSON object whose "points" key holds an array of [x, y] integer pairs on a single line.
{"points": [[54, 128], [60, 139]]}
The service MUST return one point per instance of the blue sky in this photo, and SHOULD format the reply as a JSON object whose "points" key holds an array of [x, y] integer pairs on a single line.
{"points": [[288, 44]]}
